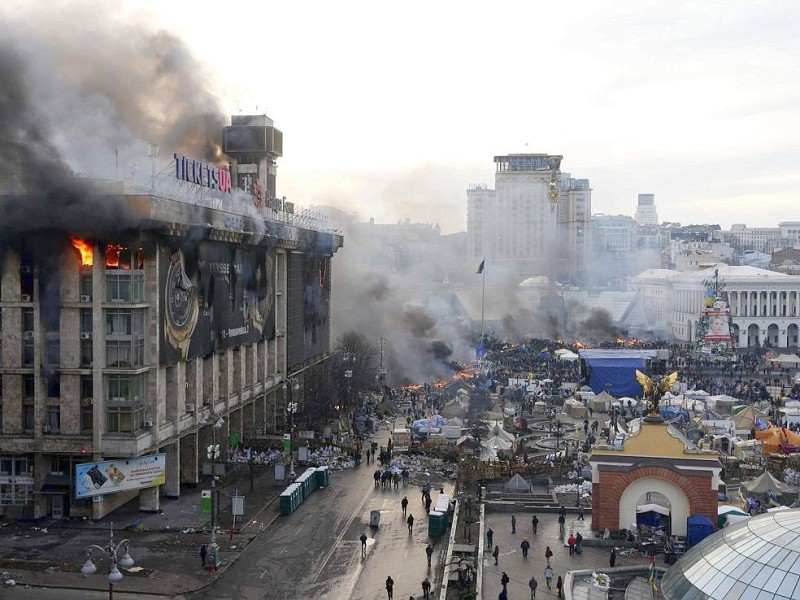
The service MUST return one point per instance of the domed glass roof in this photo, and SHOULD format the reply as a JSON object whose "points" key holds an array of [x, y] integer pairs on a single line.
{"points": [[758, 558]]}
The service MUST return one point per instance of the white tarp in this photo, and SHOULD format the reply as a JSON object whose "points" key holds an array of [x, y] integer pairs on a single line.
{"points": [[644, 508]]}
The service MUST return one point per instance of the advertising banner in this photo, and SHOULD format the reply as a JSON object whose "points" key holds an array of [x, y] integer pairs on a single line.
{"points": [[111, 476], [215, 295]]}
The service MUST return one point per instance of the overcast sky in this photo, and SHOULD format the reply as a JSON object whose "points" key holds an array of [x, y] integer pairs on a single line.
{"points": [[391, 109]]}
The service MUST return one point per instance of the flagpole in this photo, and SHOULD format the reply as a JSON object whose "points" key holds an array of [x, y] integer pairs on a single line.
{"points": [[483, 294]]}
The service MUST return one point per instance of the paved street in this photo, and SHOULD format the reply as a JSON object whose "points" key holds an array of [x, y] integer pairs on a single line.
{"points": [[316, 553]]}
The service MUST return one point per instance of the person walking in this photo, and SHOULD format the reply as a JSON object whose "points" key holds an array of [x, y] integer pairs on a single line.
{"points": [[548, 576], [410, 521], [496, 554], [404, 504], [613, 560], [561, 522], [489, 537], [203, 554], [429, 552], [533, 584], [426, 589], [525, 545], [548, 554], [513, 524], [580, 512], [578, 543], [562, 512], [559, 586], [571, 543], [534, 523], [504, 581], [363, 539], [389, 586]]}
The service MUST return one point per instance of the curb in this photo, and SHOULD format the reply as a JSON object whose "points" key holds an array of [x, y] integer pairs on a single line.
{"points": [[203, 586]]}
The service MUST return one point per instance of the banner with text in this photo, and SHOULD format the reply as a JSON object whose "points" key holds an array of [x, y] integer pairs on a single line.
{"points": [[111, 476]]}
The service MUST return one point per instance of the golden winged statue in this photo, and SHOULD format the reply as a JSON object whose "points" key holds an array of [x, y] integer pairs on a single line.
{"points": [[654, 388]]}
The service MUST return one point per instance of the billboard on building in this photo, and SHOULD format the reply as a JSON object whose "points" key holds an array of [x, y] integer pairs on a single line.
{"points": [[214, 295], [308, 307], [123, 474]]}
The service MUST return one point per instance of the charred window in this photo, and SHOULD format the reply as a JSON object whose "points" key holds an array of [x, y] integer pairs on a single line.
{"points": [[27, 337], [124, 274]]}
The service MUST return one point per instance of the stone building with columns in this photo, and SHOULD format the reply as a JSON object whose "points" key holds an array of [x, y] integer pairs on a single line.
{"points": [[138, 313], [764, 305]]}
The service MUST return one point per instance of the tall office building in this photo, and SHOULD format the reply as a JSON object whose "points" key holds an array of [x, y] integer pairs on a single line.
{"points": [[646, 213], [537, 220], [133, 318]]}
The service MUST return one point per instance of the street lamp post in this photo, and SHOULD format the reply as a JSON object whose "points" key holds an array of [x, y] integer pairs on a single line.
{"points": [[213, 453], [111, 551], [291, 410]]}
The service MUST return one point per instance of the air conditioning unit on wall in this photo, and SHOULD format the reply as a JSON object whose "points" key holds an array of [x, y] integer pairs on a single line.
{"points": [[190, 408], [28, 335], [86, 298], [85, 335], [25, 297], [148, 424], [87, 401]]}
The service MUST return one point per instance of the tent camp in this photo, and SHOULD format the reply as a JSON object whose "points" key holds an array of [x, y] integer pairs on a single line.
{"points": [[575, 409], [784, 360], [765, 483], [747, 418], [778, 439], [601, 402]]}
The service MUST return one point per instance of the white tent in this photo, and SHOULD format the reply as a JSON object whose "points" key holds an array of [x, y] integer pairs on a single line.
{"points": [[643, 508], [569, 356], [732, 514], [785, 360]]}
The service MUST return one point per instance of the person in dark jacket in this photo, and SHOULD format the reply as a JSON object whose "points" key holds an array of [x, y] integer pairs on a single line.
{"points": [[390, 586]]}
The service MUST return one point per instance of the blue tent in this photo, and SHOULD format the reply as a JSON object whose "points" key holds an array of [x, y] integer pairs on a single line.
{"points": [[614, 371], [698, 528]]}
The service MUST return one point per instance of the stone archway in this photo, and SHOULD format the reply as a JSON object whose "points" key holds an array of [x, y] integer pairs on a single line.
{"points": [[753, 333], [679, 502], [792, 340], [772, 335]]}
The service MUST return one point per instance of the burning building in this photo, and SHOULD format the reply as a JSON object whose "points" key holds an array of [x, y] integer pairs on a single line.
{"points": [[132, 315]]}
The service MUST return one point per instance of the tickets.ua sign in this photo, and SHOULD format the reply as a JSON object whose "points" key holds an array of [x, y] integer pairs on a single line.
{"points": [[200, 173]]}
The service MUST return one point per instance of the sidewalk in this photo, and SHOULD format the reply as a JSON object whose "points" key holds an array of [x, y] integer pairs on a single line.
{"points": [[165, 545]]}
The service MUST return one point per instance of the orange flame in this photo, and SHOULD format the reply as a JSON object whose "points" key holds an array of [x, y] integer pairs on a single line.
{"points": [[86, 249], [113, 252]]}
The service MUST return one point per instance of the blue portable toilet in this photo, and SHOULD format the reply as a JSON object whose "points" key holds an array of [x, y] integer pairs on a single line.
{"points": [[698, 528]]}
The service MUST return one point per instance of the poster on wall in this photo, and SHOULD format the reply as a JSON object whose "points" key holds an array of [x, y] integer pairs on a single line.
{"points": [[123, 474], [215, 295]]}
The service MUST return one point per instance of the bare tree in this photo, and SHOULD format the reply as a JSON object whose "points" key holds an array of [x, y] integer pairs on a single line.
{"points": [[356, 355]]}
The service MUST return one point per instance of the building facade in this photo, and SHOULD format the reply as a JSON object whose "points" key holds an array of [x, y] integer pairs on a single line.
{"points": [[207, 297], [536, 219], [764, 305], [646, 212]]}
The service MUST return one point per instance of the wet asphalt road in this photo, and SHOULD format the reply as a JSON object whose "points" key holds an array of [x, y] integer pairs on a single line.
{"points": [[316, 552]]}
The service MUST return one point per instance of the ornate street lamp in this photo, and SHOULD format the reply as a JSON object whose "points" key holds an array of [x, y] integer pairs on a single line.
{"points": [[111, 551], [213, 452]]}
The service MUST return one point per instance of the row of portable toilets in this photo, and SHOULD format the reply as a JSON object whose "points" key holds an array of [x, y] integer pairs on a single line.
{"points": [[305, 485], [438, 517]]}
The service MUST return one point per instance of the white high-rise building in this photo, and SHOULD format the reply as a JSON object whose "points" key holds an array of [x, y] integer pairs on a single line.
{"points": [[537, 220], [646, 213]]}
